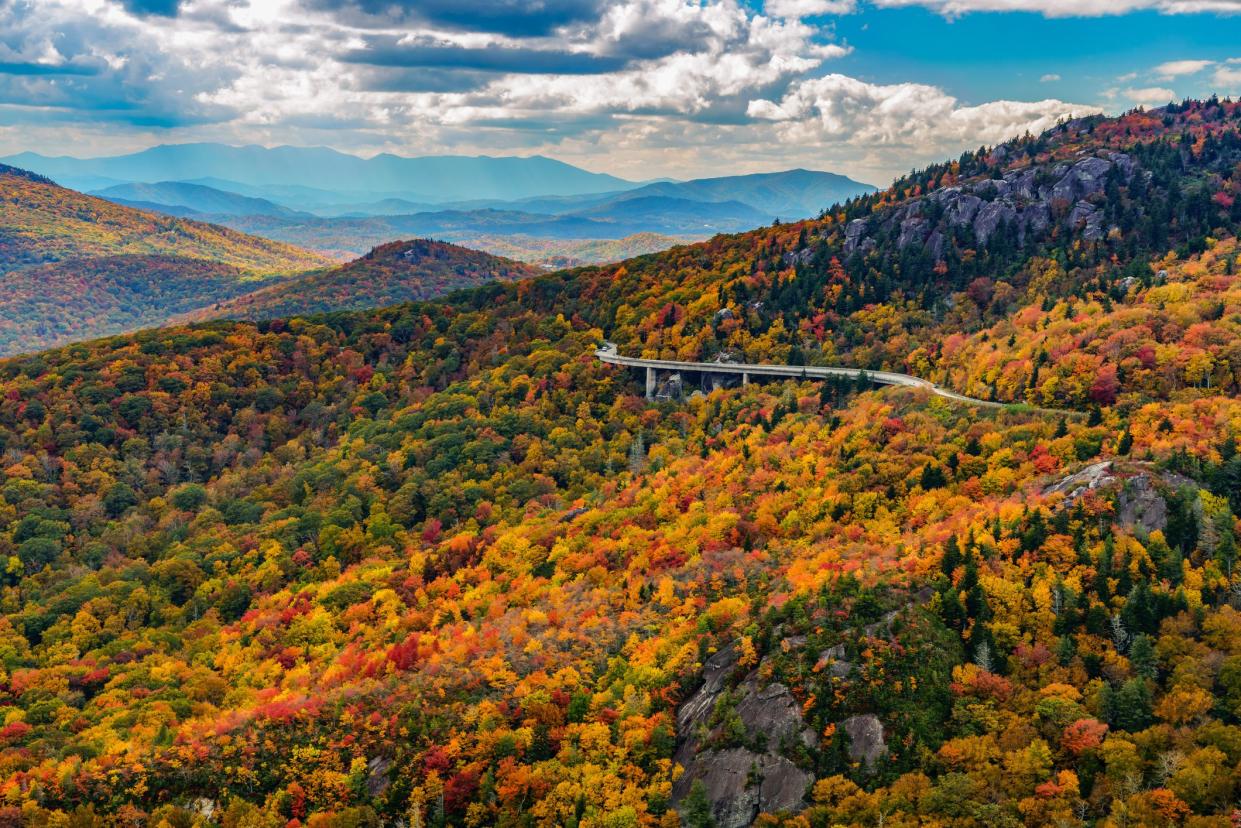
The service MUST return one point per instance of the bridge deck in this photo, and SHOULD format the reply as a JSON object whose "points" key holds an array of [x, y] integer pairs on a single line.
{"points": [[609, 355]]}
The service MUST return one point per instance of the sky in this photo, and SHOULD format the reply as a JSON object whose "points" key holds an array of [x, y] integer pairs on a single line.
{"points": [[636, 88]]}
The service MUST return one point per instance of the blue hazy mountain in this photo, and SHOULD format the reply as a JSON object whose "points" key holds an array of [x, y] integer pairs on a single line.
{"points": [[788, 195], [196, 197], [427, 178]]}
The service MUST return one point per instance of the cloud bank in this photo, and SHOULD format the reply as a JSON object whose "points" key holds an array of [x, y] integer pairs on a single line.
{"points": [[624, 82]]}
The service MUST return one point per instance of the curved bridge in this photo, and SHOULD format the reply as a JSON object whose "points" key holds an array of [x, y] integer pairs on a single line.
{"points": [[607, 353]]}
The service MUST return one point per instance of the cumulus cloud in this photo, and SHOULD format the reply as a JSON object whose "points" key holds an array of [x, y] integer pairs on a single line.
{"points": [[655, 87], [1180, 68], [1071, 8], [1149, 95], [1227, 78], [838, 107], [514, 18], [1050, 77], [809, 8]]}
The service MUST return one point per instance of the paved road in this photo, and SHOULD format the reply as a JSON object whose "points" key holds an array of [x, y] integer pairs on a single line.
{"points": [[608, 354]]}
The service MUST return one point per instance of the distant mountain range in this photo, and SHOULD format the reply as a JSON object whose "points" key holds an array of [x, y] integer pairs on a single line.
{"points": [[345, 223], [433, 179], [537, 209], [43, 222], [74, 267], [197, 198]]}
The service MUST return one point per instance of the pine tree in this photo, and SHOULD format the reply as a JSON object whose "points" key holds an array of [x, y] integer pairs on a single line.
{"points": [[952, 556], [696, 812], [1142, 657]]}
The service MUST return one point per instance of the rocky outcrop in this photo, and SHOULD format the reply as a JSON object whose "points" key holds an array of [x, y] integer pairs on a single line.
{"points": [[1078, 483], [866, 743], [1026, 200], [742, 781], [1139, 505], [1140, 491]]}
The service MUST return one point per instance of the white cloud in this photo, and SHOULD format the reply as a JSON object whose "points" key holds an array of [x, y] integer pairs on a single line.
{"points": [[915, 122], [808, 8], [1149, 95], [1050, 77], [1180, 68], [1071, 8], [1227, 79]]}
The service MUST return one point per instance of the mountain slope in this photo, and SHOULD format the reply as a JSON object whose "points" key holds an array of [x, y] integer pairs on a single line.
{"points": [[197, 197], [435, 563], [75, 267], [388, 275], [53, 304], [42, 222], [427, 178]]}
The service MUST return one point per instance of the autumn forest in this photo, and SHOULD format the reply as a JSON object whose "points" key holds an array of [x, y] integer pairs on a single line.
{"points": [[357, 563]]}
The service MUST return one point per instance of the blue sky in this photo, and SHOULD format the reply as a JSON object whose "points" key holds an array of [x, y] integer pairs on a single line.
{"points": [[987, 55], [639, 88]]}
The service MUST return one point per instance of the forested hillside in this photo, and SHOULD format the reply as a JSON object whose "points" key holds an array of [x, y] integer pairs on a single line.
{"points": [[62, 302], [435, 563], [42, 222], [396, 272], [76, 267]]}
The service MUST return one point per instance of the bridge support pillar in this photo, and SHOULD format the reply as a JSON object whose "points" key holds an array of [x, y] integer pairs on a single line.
{"points": [[745, 378], [650, 383]]}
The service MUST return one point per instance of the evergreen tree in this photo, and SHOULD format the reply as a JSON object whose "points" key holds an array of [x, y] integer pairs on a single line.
{"points": [[696, 812], [1142, 657]]}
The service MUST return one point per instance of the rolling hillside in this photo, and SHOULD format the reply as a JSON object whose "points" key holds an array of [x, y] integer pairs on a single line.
{"points": [[76, 267], [397, 272], [436, 564], [54, 304], [42, 222]]}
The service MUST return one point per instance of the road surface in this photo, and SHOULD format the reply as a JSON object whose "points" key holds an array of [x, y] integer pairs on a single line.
{"points": [[607, 353]]}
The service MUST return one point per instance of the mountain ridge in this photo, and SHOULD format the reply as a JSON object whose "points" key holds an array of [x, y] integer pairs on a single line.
{"points": [[444, 176]]}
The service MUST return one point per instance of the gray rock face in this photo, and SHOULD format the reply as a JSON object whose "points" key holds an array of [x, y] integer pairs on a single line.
{"points": [[866, 743], [1141, 501], [799, 257], [961, 207], [989, 219], [1140, 506], [1017, 198], [854, 234], [377, 775], [741, 782], [1078, 483], [913, 231], [741, 785]]}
